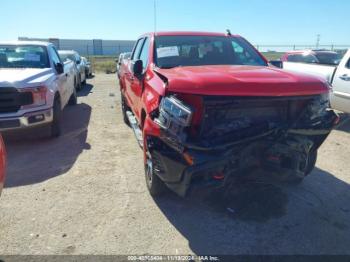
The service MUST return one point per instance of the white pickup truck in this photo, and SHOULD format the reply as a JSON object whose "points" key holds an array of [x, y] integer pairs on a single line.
{"points": [[35, 86], [337, 76]]}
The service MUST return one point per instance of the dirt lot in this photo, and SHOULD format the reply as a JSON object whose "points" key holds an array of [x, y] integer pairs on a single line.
{"points": [[84, 193]]}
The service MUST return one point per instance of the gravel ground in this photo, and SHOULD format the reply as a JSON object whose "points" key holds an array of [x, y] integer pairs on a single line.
{"points": [[84, 193]]}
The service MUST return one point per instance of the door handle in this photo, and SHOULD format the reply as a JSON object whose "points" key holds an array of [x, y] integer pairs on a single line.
{"points": [[345, 77]]}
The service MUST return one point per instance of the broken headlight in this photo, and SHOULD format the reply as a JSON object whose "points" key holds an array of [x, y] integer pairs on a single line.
{"points": [[174, 115]]}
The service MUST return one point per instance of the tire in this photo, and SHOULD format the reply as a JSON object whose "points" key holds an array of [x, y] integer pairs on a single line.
{"points": [[124, 109], [56, 122], [296, 179], [79, 86], [311, 163], [155, 185], [73, 100]]}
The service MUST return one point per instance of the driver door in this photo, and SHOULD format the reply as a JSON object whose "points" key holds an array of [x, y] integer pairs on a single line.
{"points": [[130, 80], [341, 86]]}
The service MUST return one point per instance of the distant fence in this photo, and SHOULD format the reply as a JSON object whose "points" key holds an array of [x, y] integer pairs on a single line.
{"points": [[284, 48], [93, 47], [115, 50], [90, 50], [99, 47]]}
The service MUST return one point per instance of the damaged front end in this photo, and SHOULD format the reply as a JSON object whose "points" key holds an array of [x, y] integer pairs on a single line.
{"points": [[210, 139]]}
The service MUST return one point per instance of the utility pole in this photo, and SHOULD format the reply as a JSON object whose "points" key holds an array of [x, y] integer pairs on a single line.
{"points": [[318, 41], [155, 16]]}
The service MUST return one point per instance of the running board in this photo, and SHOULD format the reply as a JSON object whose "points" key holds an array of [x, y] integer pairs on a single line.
{"points": [[135, 127]]}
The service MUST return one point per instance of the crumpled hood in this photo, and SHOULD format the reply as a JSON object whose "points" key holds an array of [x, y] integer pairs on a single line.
{"points": [[241, 81], [18, 77]]}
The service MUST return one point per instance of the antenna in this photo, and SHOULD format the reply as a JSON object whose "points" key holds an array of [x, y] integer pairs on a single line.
{"points": [[155, 16], [228, 32]]}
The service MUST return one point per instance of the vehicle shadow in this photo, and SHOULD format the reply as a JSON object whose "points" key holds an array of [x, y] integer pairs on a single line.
{"points": [[86, 90], [33, 157], [262, 218]]}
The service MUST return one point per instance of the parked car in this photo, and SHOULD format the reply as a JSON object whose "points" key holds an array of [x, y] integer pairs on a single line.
{"points": [[88, 67], [80, 68], [35, 86], [207, 107], [123, 57], [338, 75], [2, 164], [322, 57]]}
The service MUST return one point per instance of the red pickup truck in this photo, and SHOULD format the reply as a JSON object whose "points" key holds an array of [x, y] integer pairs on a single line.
{"points": [[2, 163], [208, 107]]}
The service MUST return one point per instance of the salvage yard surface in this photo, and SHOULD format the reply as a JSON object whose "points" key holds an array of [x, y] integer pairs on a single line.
{"points": [[85, 193]]}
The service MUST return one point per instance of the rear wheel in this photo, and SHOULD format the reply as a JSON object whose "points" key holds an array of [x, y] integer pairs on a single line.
{"points": [[79, 85], [73, 100], [124, 109], [56, 122]]}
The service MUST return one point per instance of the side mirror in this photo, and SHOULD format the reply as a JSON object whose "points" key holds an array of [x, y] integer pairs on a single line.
{"points": [[59, 68], [276, 63], [78, 62], [137, 67]]}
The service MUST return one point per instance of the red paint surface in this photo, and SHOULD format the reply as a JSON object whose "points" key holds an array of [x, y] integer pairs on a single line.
{"points": [[144, 95]]}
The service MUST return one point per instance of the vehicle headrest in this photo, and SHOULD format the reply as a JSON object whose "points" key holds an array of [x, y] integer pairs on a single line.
{"points": [[194, 53], [3, 58]]}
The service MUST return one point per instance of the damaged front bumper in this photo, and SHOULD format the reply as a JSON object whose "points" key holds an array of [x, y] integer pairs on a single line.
{"points": [[288, 148]]}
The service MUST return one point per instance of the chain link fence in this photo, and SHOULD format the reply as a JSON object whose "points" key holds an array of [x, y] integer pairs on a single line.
{"points": [[285, 48], [90, 50]]}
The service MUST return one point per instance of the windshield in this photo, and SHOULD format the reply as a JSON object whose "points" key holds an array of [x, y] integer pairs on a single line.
{"points": [[21, 56], [66, 56], [173, 51], [328, 58]]}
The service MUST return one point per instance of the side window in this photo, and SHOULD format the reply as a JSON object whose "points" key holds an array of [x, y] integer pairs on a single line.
{"points": [[244, 55], [144, 55], [310, 59], [54, 56], [348, 64], [295, 58], [137, 49], [77, 58]]}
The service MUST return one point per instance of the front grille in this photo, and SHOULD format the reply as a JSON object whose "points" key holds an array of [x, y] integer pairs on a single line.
{"points": [[11, 99], [228, 119]]}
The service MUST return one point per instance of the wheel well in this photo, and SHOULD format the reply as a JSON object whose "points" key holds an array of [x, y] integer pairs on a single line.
{"points": [[57, 96]]}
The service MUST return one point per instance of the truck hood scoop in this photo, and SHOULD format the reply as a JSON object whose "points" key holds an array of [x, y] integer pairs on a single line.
{"points": [[240, 81]]}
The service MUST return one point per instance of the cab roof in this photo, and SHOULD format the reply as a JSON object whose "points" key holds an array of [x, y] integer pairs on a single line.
{"points": [[187, 33], [20, 43], [311, 51]]}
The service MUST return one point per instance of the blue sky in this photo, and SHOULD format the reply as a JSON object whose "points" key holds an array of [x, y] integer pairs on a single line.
{"points": [[261, 22]]}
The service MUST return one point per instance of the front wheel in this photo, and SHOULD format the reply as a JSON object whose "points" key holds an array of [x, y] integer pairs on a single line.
{"points": [[310, 165], [56, 122], [155, 185]]}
